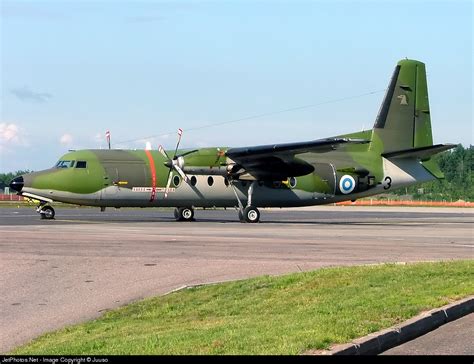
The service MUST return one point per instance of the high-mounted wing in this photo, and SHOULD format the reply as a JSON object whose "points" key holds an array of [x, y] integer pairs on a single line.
{"points": [[278, 161]]}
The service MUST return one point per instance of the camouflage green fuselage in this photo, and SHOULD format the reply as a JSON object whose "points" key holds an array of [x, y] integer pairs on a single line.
{"points": [[137, 178], [396, 152]]}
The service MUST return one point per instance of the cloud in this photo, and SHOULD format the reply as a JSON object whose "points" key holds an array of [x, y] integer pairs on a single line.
{"points": [[25, 94], [11, 134], [8, 132], [66, 139], [99, 138]]}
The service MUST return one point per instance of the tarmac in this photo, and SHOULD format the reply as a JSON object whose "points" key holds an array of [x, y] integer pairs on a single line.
{"points": [[72, 269]]}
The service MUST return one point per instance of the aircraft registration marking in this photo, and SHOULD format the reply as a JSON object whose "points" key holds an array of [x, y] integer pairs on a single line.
{"points": [[151, 189]]}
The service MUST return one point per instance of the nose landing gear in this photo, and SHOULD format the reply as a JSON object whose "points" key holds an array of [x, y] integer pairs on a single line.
{"points": [[46, 212]]}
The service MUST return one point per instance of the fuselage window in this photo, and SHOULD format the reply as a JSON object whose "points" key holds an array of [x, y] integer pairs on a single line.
{"points": [[210, 181], [65, 164], [193, 180], [176, 181], [81, 164]]}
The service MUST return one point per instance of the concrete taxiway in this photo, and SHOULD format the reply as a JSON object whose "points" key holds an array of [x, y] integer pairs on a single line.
{"points": [[60, 272]]}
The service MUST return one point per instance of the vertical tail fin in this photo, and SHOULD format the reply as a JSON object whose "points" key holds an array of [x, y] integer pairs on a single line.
{"points": [[403, 124], [403, 121]]}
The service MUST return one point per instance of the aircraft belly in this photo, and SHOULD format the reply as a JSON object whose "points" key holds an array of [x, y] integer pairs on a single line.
{"points": [[201, 195], [87, 199]]}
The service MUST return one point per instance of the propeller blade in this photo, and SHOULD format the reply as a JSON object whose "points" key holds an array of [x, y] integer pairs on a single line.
{"points": [[173, 163], [168, 183], [163, 152], [191, 151], [180, 132], [181, 173]]}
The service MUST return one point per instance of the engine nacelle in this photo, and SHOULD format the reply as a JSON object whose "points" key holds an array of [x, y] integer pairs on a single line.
{"points": [[344, 182]]}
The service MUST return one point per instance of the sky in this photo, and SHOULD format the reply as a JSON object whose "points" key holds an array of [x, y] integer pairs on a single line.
{"points": [[229, 73]]}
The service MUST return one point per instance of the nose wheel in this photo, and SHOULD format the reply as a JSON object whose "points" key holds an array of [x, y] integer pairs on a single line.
{"points": [[46, 212]]}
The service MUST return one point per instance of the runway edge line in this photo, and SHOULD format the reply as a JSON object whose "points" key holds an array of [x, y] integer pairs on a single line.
{"points": [[385, 339]]}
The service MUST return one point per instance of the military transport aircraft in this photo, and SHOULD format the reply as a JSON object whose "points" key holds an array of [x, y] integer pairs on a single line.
{"points": [[396, 152]]}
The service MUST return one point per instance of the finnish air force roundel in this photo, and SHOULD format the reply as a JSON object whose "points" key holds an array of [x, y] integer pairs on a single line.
{"points": [[346, 184]]}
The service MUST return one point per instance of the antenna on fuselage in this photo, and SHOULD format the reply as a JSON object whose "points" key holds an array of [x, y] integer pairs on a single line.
{"points": [[107, 136]]}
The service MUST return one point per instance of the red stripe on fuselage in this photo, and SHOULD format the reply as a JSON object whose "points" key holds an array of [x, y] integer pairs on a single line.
{"points": [[153, 175]]}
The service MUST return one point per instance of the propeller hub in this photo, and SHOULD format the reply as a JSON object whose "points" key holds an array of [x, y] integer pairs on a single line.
{"points": [[179, 162]]}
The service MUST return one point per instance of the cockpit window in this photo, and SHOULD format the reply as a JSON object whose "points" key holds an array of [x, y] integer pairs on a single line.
{"points": [[65, 164], [81, 164]]}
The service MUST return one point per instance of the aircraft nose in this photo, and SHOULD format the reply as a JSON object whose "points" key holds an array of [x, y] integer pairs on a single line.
{"points": [[17, 183]]}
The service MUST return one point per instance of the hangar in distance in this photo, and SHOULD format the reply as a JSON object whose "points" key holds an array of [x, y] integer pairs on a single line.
{"points": [[396, 152]]}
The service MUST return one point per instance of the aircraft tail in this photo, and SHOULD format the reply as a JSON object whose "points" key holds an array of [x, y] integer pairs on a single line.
{"points": [[403, 124]]}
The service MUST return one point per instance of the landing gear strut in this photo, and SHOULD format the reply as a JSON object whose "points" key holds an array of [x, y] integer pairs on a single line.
{"points": [[250, 213], [184, 214], [46, 212]]}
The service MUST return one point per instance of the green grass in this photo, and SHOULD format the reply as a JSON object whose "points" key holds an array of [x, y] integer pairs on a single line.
{"points": [[268, 315]]}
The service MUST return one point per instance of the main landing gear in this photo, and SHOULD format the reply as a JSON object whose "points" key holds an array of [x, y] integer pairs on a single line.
{"points": [[184, 214], [249, 214], [46, 212]]}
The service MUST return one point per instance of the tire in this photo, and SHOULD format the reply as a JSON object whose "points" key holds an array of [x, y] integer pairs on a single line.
{"points": [[47, 213], [184, 214], [251, 214]]}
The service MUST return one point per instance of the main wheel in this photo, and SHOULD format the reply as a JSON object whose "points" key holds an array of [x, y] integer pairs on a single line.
{"points": [[184, 214], [251, 214], [47, 212]]}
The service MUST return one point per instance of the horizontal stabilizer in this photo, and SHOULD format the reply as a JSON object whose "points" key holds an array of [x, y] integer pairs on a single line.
{"points": [[422, 153]]}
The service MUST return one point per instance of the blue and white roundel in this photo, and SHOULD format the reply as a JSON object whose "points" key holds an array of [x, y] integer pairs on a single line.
{"points": [[347, 184]]}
